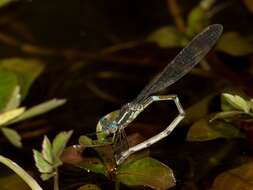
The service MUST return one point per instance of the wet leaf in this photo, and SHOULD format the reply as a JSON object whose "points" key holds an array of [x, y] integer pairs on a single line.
{"points": [[8, 83], [234, 44], [235, 102], [93, 165], [42, 165], [12, 136], [203, 130], [26, 70], [146, 172], [240, 178], [166, 37], [39, 109], [89, 187], [60, 142], [47, 150], [10, 115], [5, 2]]}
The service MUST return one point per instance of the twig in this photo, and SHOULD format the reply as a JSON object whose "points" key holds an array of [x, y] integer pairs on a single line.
{"points": [[176, 14]]}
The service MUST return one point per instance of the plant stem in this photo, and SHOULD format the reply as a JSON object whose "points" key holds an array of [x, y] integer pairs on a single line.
{"points": [[56, 180], [117, 185], [21, 172]]}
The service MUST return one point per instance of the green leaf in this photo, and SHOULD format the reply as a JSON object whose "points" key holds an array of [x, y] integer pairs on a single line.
{"points": [[47, 150], [10, 115], [60, 142], [12, 136], [228, 115], [84, 140], [203, 130], [15, 99], [236, 102], [42, 165], [89, 187], [196, 21], [166, 37], [234, 44], [27, 70], [5, 2], [239, 178], [8, 83], [39, 109], [93, 165], [146, 172]]}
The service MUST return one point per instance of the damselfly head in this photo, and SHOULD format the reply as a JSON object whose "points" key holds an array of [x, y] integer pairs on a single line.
{"points": [[108, 123]]}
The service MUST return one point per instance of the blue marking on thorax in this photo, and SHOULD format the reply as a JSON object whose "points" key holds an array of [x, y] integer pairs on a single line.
{"points": [[112, 126]]}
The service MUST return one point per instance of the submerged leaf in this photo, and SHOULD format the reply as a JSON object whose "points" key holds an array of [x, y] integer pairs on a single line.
{"points": [[234, 44], [12, 136], [147, 172], [39, 109], [203, 130], [240, 178], [166, 37]]}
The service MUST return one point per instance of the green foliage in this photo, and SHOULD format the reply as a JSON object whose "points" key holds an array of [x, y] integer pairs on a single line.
{"points": [[48, 160], [234, 44], [146, 172], [12, 136]]}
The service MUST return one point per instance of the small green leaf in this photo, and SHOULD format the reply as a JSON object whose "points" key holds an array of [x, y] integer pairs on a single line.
{"points": [[42, 165], [47, 150], [8, 83], [12, 136], [89, 187], [39, 109], [27, 70], [166, 37], [14, 101], [5, 2], [47, 176], [10, 115], [237, 102], [228, 115], [146, 172], [84, 140], [203, 130], [234, 44], [60, 142]]}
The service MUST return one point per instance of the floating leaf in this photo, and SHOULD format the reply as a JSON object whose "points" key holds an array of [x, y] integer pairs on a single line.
{"points": [[234, 44], [240, 178], [42, 165], [26, 70], [8, 83], [236, 102], [47, 150], [203, 130], [166, 37], [10, 115], [39, 109], [89, 187], [60, 142], [146, 172], [5, 2], [12, 136]]}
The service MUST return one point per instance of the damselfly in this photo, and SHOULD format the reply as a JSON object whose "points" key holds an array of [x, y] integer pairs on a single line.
{"points": [[115, 122]]}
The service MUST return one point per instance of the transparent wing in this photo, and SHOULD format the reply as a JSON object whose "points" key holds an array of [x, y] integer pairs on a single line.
{"points": [[184, 61], [120, 143]]}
